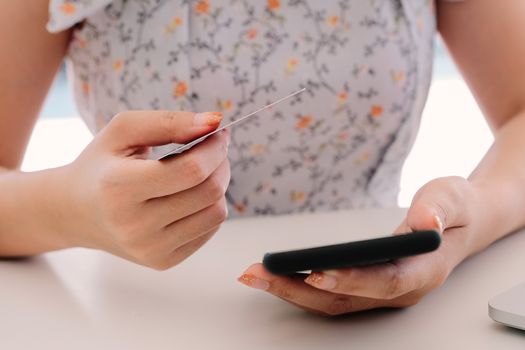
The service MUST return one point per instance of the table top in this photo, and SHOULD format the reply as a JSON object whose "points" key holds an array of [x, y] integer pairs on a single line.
{"points": [[84, 299]]}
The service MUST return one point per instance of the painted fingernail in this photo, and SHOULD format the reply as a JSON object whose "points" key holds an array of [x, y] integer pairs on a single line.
{"points": [[253, 281], [438, 223], [321, 280], [207, 119]]}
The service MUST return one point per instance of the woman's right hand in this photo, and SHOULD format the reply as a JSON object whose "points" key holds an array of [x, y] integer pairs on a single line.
{"points": [[155, 213]]}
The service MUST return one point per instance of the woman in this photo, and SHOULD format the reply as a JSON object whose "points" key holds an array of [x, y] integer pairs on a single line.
{"points": [[366, 66]]}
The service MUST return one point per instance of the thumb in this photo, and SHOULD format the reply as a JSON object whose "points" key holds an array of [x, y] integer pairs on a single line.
{"points": [[153, 128], [440, 204]]}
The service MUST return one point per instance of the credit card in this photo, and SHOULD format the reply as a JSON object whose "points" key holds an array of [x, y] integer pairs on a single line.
{"points": [[187, 146]]}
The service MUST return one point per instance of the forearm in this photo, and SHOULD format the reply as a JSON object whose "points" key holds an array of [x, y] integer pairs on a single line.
{"points": [[30, 213], [500, 176]]}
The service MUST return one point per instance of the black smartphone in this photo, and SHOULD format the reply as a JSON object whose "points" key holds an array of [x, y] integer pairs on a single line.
{"points": [[337, 256]]}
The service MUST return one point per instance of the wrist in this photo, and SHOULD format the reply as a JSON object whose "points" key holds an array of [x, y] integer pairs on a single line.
{"points": [[33, 212], [59, 210], [495, 212]]}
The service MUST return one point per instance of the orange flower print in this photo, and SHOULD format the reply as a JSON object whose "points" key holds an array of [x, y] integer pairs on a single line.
{"points": [[342, 97], [180, 89], [333, 20], [398, 76], [376, 110], [273, 4], [420, 24], [304, 122], [80, 42], [240, 207], [362, 158], [257, 149], [86, 88], [291, 65], [68, 8], [297, 196], [264, 186], [202, 7], [251, 33], [343, 136], [225, 105], [117, 65], [172, 26]]}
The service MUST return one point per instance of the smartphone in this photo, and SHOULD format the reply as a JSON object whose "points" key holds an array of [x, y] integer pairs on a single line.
{"points": [[358, 253]]}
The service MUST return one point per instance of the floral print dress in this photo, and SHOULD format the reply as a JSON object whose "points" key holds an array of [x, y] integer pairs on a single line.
{"points": [[366, 65]]}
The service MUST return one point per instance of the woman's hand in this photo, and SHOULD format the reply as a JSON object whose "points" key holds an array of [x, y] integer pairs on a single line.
{"points": [[155, 213], [450, 205]]}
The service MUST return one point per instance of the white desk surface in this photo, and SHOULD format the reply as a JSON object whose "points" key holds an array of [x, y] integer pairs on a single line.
{"points": [[82, 299]]}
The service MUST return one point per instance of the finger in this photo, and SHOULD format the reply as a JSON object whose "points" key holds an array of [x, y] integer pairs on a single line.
{"points": [[441, 204], [162, 256], [175, 257], [301, 294], [152, 128], [184, 171], [167, 209], [183, 252], [186, 230], [385, 281]]}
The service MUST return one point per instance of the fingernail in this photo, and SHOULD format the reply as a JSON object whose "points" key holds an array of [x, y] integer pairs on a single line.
{"points": [[253, 281], [438, 223], [321, 280], [207, 119]]}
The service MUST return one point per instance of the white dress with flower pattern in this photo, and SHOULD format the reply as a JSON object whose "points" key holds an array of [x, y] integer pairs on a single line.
{"points": [[366, 65]]}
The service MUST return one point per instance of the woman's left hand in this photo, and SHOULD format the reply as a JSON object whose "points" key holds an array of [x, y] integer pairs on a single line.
{"points": [[450, 205]]}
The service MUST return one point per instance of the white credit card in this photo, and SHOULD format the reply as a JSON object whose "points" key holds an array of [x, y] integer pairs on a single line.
{"points": [[182, 148]]}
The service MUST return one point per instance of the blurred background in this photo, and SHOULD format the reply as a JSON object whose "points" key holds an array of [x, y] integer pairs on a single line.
{"points": [[452, 139]]}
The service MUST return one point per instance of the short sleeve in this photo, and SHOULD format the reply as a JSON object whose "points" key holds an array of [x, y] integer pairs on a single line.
{"points": [[64, 14]]}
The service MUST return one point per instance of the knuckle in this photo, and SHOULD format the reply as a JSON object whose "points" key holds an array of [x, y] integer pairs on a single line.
{"points": [[161, 265], [339, 305], [454, 189], [219, 212], [395, 285], [285, 292], [214, 189], [195, 170], [283, 289], [167, 121]]}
